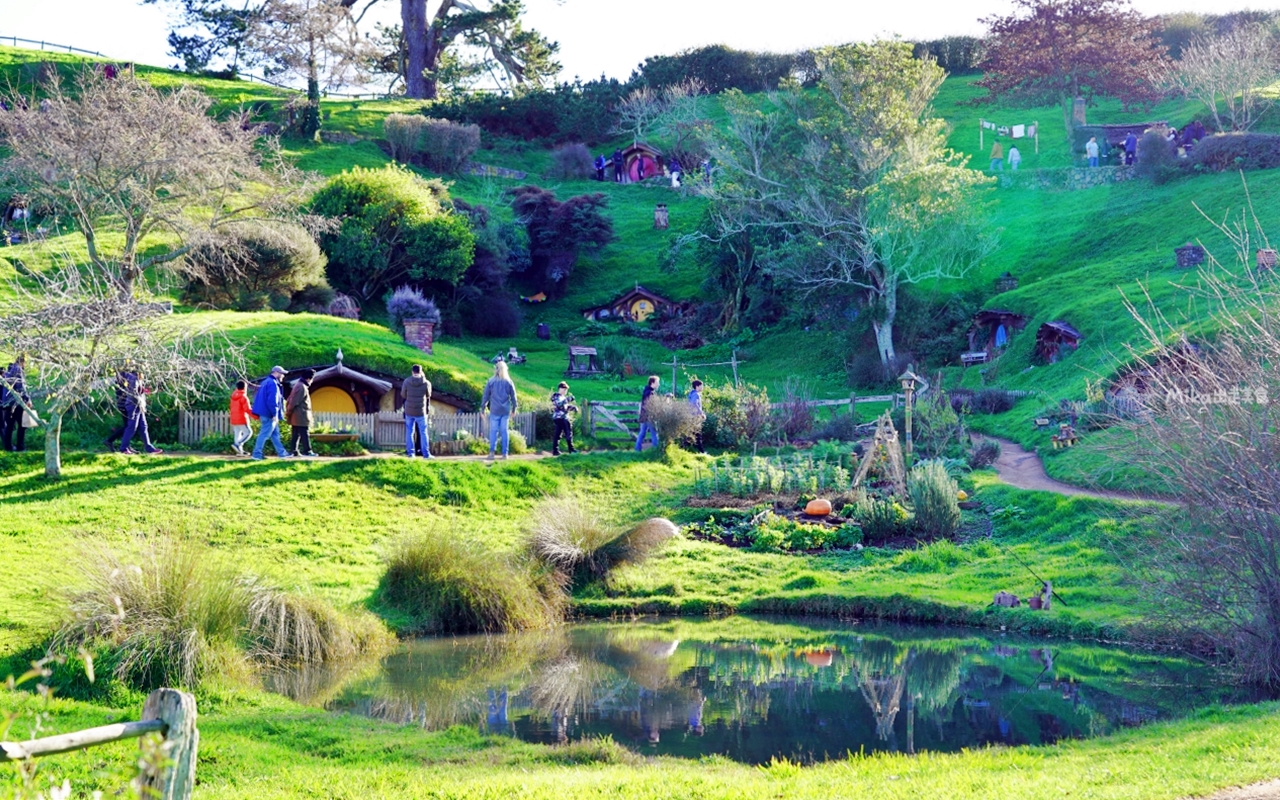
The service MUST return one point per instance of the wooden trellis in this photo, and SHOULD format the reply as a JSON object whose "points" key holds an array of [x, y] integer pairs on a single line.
{"points": [[885, 455]]}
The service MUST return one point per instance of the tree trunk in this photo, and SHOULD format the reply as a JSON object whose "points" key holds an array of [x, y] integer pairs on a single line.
{"points": [[884, 327], [413, 22], [431, 59], [53, 446]]}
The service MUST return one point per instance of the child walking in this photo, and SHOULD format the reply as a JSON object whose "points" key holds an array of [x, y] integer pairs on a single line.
{"points": [[240, 416]]}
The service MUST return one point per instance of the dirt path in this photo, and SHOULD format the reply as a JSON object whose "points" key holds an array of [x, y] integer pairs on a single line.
{"points": [[384, 454], [1270, 790], [1025, 470]]}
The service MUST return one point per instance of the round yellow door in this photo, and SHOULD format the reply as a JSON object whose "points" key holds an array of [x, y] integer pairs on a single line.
{"points": [[332, 399], [641, 310]]}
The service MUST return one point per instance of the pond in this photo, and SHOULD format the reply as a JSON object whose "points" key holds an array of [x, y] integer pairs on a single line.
{"points": [[751, 689]]}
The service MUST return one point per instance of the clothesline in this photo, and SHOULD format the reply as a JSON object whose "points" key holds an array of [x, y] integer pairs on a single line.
{"points": [[1022, 131]]}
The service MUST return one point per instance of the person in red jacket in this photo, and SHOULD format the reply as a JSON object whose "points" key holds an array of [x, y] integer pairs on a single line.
{"points": [[240, 416]]}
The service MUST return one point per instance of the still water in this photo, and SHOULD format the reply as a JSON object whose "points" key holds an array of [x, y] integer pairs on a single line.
{"points": [[751, 689]]}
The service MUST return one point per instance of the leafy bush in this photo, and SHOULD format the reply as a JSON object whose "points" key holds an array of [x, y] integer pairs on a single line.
{"points": [[720, 68], [568, 112], [840, 428], [408, 302], [215, 443], [939, 431], [1232, 151], [793, 418], [736, 416], [497, 315], [984, 454], [1156, 160], [403, 132], [177, 612], [776, 533], [674, 418], [391, 226], [447, 146], [992, 401], [559, 231], [448, 584], [579, 542], [572, 161], [880, 519], [933, 497], [256, 265]]}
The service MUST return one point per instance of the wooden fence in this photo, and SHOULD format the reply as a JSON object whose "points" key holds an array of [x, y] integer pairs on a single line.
{"points": [[168, 712], [382, 430]]}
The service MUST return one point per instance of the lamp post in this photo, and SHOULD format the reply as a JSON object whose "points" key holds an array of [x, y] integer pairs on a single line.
{"points": [[909, 380]]}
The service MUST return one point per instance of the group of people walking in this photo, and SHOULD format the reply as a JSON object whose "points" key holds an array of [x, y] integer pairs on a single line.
{"points": [[647, 427]]}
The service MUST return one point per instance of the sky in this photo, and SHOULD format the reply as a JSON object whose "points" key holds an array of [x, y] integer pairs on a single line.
{"points": [[594, 36]]}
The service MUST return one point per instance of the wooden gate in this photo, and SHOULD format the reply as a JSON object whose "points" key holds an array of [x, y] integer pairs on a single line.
{"points": [[613, 419]]}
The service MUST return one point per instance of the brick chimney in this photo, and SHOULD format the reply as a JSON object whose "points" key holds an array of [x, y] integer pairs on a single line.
{"points": [[420, 333]]}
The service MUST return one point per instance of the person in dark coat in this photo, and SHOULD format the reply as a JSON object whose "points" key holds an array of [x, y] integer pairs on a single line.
{"points": [[268, 405], [1130, 148], [561, 407], [695, 402], [600, 162], [121, 406], [417, 407], [298, 411], [135, 409], [617, 166], [13, 404], [646, 426]]}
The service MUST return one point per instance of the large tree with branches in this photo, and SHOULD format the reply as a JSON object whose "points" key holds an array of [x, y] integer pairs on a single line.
{"points": [[143, 175], [1049, 52], [1231, 73], [78, 332]]}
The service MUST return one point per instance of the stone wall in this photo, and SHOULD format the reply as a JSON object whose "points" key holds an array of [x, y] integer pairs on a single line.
{"points": [[1068, 178]]}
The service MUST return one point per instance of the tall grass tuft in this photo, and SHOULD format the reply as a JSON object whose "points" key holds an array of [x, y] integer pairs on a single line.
{"points": [[175, 612], [934, 498], [582, 544], [451, 585]]}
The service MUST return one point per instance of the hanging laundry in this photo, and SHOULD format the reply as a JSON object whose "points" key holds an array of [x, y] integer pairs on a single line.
{"points": [[1003, 130], [1031, 131], [1019, 131]]}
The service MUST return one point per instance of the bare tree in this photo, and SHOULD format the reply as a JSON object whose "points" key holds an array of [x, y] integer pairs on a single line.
{"points": [[77, 332], [1204, 425], [673, 112], [638, 111], [117, 156], [1230, 74]]}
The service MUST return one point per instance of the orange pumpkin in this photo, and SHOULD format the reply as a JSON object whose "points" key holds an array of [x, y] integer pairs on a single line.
{"points": [[820, 659], [818, 508]]}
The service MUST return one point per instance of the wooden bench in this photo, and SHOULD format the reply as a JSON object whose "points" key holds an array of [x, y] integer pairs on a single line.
{"points": [[976, 357]]}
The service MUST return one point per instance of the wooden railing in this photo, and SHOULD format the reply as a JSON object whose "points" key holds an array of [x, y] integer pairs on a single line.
{"points": [[168, 712], [382, 430]]}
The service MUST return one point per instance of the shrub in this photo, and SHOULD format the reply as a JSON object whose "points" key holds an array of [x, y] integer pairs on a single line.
{"points": [[496, 315], [447, 146], [793, 418], [1232, 151], [984, 454], [1156, 160], [178, 612], [992, 401], [578, 542], [933, 497], [674, 418], [403, 132], [452, 585], [840, 428], [879, 519], [939, 431], [571, 162], [736, 416], [569, 112], [254, 266], [775, 533], [559, 231], [391, 225], [408, 302]]}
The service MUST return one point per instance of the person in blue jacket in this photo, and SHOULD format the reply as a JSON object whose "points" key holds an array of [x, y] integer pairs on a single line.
{"points": [[268, 404]]}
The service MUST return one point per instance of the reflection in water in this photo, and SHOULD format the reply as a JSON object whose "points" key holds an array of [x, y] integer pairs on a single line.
{"points": [[757, 689]]}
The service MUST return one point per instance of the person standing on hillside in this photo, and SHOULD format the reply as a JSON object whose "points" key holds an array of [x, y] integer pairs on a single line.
{"points": [[13, 395], [997, 157], [673, 166], [268, 404], [417, 406], [695, 402], [1015, 158], [240, 416], [617, 165], [1130, 148], [500, 399], [646, 426], [298, 411], [600, 162], [1091, 150], [561, 407], [135, 409]]}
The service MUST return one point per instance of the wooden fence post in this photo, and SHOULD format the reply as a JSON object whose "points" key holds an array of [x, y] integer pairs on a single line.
{"points": [[178, 711]]}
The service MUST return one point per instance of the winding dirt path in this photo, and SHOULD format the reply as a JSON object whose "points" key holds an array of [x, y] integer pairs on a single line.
{"points": [[1270, 790], [1025, 470]]}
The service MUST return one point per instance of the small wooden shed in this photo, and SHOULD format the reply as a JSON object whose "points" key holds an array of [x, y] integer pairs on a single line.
{"points": [[1053, 338], [583, 362]]}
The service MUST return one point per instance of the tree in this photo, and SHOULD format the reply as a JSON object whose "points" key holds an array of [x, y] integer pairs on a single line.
{"points": [[1049, 52], [78, 332], [391, 226], [269, 266], [144, 175], [1204, 426], [315, 40], [559, 231], [1234, 70], [855, 186], [209, 30], [507, 51]]}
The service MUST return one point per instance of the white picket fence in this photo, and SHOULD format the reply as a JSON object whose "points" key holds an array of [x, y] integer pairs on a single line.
{"points": [[380, 430]]}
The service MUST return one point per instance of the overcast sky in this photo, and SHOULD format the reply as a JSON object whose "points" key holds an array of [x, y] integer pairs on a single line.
{"points": [[595, 36]]}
